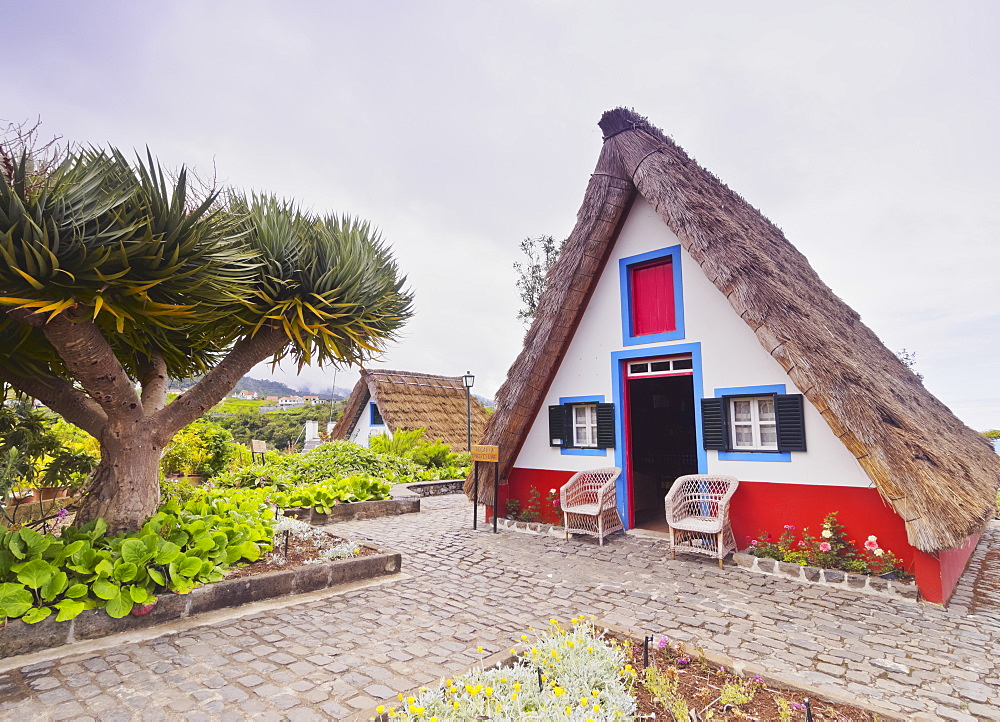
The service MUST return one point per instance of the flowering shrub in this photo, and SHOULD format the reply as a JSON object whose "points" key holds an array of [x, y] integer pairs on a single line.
{"points": [[567, 674], [831, 550]]}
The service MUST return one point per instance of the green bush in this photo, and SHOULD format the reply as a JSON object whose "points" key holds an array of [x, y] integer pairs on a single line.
{"points": [[203, 448], [179, 548]]}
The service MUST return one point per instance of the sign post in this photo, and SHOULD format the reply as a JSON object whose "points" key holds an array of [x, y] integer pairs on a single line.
{"points": [[490, 454]]}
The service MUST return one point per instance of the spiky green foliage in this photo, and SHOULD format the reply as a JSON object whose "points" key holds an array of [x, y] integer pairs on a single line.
{"points": [[159, 269], [330, 282]]}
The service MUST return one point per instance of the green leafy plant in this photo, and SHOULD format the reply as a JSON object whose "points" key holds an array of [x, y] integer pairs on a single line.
{"points": [[324, 496], [202, 448], [179, 548]]}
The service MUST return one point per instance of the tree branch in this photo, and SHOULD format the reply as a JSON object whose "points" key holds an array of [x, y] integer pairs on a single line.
{"points": [[60, 396], [213, 387], [154, 384], [89, 359]]}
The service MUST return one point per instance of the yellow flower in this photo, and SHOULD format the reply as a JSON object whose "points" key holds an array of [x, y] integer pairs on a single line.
{"points": [[553, 621], [534, 651], [400, 695], [513, 651], [503, 679], [455, 704], [517, 686], [569, 643], [513, 695], [597, 708], [590, 650], [479, 649], [380, 709], [488, 692], [594, 693], [558, 691], [584, 700], [569, 710], [411, 700], [524, 637]]}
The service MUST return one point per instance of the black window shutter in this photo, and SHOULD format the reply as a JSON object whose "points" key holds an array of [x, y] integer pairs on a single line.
{"points": [[605, 426], [713, 424], [557, 429], [788, 408]]}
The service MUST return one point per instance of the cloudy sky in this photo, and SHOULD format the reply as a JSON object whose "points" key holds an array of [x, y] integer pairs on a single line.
{"points": [[866, 130]]}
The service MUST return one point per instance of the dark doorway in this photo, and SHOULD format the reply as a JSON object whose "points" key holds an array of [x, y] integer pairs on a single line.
{"points": [[662, 443]]}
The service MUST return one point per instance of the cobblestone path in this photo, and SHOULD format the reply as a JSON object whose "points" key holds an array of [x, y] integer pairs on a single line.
{"points": [[338, 656]]}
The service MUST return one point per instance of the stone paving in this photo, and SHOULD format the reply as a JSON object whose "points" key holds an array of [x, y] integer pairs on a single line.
{"points": [[340, 655]]}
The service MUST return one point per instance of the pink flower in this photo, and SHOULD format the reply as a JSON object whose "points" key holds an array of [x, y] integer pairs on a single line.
{"points": [[825, 546], [789, 527], [871, 545], [753, 543]]}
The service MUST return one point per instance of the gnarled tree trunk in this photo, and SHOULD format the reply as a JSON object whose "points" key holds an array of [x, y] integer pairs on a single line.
{"points": [[125, 487]]}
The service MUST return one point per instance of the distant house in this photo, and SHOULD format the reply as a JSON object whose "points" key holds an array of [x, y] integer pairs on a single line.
{"points": [[245, 395], [289, 401], [680, 332], [383, 402], [272, 399], [177, 392], [310, 400]]}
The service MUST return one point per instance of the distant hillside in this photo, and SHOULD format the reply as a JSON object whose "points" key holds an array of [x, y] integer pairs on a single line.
{"points": [[264, 387]]}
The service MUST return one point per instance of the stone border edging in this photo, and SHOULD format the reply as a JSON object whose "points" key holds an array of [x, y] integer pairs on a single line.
{"points": [[828, 577], [355, 510], [531, 527], [19, 638], [435, 488]]}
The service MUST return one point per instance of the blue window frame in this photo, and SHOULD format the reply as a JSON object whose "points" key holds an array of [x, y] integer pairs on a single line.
{"points": [[376, 415], [625, 266]]}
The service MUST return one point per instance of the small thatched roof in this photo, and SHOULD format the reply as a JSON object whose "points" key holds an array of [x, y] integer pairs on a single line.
{"points": [[939, 475], [409, 400]]}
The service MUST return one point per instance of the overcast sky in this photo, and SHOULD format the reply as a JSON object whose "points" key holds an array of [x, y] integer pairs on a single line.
{"points": [[867, 131]]}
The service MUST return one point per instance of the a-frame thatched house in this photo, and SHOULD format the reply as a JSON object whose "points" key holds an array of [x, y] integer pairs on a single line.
{"points": [[680, 332], [382, 402]]}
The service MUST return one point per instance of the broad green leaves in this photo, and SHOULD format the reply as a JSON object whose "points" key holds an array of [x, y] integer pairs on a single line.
{"points": [[180, 548]]}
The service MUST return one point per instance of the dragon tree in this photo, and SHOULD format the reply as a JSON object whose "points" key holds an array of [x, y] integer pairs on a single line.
{"points": [[115, 277]]}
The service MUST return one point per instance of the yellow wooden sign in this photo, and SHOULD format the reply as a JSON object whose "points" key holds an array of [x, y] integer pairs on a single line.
{"points": [[257, 446], [485, 453]]}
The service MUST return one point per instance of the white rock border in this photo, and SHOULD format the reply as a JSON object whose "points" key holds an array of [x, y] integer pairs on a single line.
{"points": [[828, 577]]}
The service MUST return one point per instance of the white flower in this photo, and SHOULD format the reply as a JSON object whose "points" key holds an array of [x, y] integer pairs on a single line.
{"points": [[552, 491], [878, 552], [826, 534], [873, 538]]}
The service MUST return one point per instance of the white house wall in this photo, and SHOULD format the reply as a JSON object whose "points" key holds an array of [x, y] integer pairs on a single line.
{"points": [[731, 357], [363, 429]]}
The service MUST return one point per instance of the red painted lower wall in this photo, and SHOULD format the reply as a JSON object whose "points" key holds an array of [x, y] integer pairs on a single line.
{"points": [[762, 507]]}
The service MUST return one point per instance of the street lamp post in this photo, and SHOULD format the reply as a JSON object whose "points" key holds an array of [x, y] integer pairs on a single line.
{"points": [[467, 381]]}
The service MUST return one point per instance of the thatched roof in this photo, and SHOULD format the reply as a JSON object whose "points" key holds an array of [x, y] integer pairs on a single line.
{"points": [[409, 400], [939, 475]]}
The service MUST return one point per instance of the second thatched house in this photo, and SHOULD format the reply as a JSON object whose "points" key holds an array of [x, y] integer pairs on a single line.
{"points": [[383, 402], [680, 332]]}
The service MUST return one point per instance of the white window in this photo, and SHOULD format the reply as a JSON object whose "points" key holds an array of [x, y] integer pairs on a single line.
{"points": [[753, 424], [585, 425]]}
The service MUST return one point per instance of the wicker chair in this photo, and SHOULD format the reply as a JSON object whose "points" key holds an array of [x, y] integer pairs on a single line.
{"points": [[697, 509], [589, 505]]}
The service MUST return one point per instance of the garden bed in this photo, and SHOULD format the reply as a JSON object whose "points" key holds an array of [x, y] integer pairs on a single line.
{"points": [[708, 683], [569, 673], [17, 637]]}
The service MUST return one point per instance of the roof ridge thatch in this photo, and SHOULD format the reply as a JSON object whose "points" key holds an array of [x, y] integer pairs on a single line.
{"points": [[939, 475], [412, 400]]}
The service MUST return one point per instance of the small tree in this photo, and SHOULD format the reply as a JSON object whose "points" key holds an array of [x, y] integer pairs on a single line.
{"points": [[116, 278], [541, 254]]}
